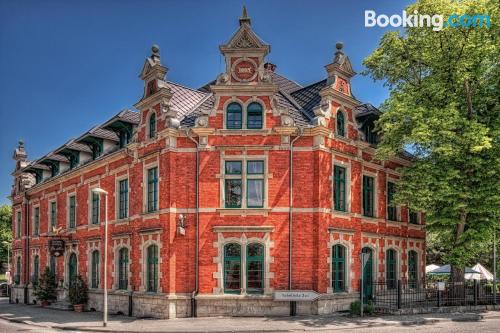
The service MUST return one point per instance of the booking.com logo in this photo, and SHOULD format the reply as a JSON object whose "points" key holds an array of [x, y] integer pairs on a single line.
{"points": [[423, 20]]}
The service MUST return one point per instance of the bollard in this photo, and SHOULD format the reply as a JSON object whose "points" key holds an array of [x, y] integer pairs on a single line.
{"points": [[293, 308], [130, 304]]}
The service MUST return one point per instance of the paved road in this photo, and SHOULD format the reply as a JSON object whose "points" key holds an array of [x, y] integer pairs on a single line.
{"points": [[10, 327]]}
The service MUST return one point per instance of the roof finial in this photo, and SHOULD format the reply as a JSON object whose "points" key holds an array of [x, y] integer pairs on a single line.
{"points": [[339, 54], [244, 17], [155, 55]]}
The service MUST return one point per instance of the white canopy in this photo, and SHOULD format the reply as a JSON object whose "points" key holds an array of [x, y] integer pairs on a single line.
{"points": [[484, 274], [430, 267]]}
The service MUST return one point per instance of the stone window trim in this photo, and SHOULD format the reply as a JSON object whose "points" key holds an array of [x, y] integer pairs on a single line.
{"points": [[347, 167], [399, 266], [244, 158], [18, 225], [67, 254], [342, 110], [118, 244], [349, 258], [420, 260], [94, 245], [35, 252], [148, 136], [145, 168], [146, 241], [68, 196], [116, 195], [398, 207], [375, 194], [244, 106], [243, 241], [375, 247], [49, 214], [33, 210]]}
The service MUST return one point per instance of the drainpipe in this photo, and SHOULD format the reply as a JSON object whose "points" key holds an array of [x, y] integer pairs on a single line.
{"points": [[293, 304], [27, 247], [196, 262]]}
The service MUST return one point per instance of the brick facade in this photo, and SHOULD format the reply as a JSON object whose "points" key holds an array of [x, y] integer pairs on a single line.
{"points": [[190, 230]]}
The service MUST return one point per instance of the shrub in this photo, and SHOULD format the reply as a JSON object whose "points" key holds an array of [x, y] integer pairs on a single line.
{"points": [[356, 308], [78, 291], [45, 288]]}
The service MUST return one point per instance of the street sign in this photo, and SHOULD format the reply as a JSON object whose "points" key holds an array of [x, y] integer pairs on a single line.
{"points": [[295, 295]]}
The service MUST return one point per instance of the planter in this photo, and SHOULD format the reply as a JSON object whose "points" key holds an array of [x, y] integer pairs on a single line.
{"points": [[78, 307], [44, 304]]}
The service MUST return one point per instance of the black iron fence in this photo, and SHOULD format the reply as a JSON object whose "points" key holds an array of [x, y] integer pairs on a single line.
{"points": [[392, 295]]}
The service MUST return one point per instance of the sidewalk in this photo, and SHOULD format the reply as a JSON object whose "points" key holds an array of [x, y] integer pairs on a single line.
{"points": [[92, 321]]}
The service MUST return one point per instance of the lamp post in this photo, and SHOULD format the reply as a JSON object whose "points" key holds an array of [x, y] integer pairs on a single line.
{"points": [[99, 191]]}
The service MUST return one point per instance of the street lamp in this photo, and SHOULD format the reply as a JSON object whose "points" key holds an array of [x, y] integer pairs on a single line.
{"points": [[99, 191]]}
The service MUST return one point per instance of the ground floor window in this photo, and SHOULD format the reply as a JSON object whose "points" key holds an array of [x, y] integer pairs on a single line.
{"points": [[412, 268], [391, 269], [123, 268], [36, 269], [232, 268], [52, 266], [17, 277], [152, 269], [95, 269], [72, 269], [254, 270], [338, 268]]}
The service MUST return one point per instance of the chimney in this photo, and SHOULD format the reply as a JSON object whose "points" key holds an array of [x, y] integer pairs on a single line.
{"points": [[269, 67]]}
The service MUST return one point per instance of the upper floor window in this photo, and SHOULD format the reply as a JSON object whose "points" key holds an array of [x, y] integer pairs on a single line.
{"points": [[36, 221], [53, 215], [391, 209], [74, 159], [370, 134], [72, 212], [152, 194], [338, 268], [340, 123], [97, 149], [339, 188], [152, 125], [254, 116], [244, 181], [95, 208], [234, 118], [18, 224], [95, 269], [368, 196], [124, 137], [413, 217], [123, 199]]}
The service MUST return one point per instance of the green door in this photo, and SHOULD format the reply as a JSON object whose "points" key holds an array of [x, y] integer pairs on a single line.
{"points": [[368, 275]]}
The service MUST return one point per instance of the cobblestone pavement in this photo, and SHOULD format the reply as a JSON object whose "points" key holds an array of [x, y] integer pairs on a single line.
{"points": [[34, 316]]}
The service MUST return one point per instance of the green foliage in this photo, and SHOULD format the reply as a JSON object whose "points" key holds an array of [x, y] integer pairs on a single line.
{"points": [[5, 231], [355, 308], [78, 291], [444, 104], [46, 288]]}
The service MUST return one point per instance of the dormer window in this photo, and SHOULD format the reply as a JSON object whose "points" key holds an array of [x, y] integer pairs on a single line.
{"points": [[124, 138], [370, 135], [73, 160], [96, 151], [152, 125], [234, 116], [254, 116], [340, 123]]}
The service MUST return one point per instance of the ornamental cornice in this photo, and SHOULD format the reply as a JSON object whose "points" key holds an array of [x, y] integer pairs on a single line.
{"points": [[282, 130], [244, 89], [318, 130], [203, 131]]}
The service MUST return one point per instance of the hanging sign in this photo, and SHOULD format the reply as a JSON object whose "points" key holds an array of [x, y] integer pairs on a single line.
{"points": [[56, 247]]}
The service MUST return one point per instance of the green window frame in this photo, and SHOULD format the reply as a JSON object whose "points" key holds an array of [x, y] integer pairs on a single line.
{"points": [[391, 268], [96, 203], [338, 268], [412, 269], [72, 212], [36, 269], [18, 224], [391, 209], [36, 221], [123, 268], [152, 269], [368, 196], [340, 123], [53, 215], [72, 268], [152, 125], [339, 188], [255, 184], [95, 269], [255, 268], [233, 184], [17, 277], [254, 116], [74, 159], [234, 116], [124, 137], [152, 202], [232, 268], [123, 199], [413, 216], [52, 266], [97, 148]]}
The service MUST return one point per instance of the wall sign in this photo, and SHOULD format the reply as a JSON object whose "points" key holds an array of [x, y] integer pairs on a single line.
{"points": [[56, 247], [296, 295], [244, 70]]}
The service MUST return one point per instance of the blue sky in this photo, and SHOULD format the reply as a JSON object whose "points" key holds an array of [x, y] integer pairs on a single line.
{"points": [[69, 65]]}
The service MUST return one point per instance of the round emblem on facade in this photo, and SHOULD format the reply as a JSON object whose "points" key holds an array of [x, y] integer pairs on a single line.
{"points": [[244, 70]]}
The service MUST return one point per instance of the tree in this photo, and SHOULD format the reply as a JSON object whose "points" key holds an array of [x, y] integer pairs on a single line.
{"points": [[5, 231], [46, 289], [444, 105]]}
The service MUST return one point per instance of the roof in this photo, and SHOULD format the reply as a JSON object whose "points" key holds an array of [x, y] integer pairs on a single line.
{"points": [[308, 97]]}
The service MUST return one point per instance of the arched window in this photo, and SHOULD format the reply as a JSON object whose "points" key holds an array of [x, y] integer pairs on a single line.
{"points": [[255, 268], [123, 268], [338, 268], [72, 269], [152, 269], [17, 277], [412, 268], [36, 269], [340, 123], [95, 269], [234, 116], [254, 116], [367, 273], [232, 268], [391, 268], [152, 125]]}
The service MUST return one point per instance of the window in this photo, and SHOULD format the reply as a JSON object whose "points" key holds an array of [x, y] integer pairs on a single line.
{"points": [[152, 269], [370, 135], [152, 190], [53, 215], [97, 148], [412, 268], [340, 123], [235, 176], [72, 212], [391, 268], [368, 196], [234, 116], [72, 268], [255, 268], [18, 224], [152, 125], [17, 277], [124, 137], [413, 217], [338, 268], [123, 268], [36, 269], [123, 199], [52, 266], [54, 169], [36, 221], [95, 208], [95, 270], [254, 116], [74, 159], [232, 268], [391, 209], [339, 188]]}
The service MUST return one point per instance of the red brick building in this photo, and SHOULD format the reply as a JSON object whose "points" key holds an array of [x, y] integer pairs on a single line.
{"points": [[220, 196]]}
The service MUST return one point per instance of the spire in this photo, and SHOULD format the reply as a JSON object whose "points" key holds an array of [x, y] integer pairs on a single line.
{"points": [[244, 17]]}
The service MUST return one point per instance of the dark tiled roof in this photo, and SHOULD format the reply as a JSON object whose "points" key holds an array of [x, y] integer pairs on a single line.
{"points": [[101, 133], [73, 145], [366, 109], [206, 105], [184, 99], [129, 116], [285, 84], [308, 97], [298, 116]]}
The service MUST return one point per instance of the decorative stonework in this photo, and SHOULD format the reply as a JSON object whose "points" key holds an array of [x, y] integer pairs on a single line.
{"points": [[119, 242], [152, 237], [344, 238]]}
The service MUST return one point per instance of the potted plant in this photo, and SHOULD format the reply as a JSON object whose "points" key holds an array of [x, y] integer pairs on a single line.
{"points": [[78, 294], [45, 289]]}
